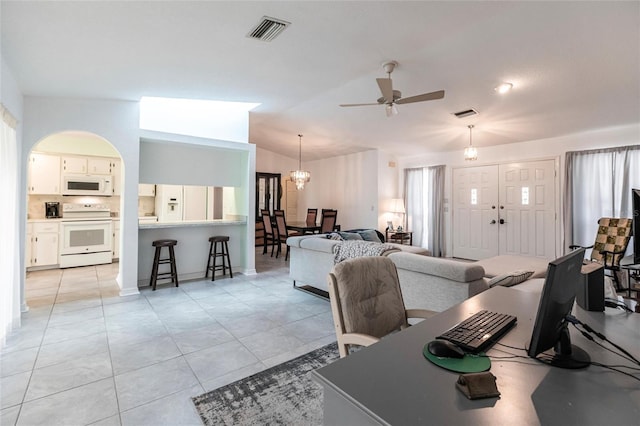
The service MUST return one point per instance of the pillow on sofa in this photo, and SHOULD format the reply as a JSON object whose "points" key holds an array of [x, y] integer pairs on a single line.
{"points": [[370, 235], [512, 278], [350, 236], [334, 236]]}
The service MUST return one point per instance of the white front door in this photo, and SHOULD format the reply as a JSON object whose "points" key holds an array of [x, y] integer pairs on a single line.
{"points": [[475, 214], [527, 209], [505, 209]]}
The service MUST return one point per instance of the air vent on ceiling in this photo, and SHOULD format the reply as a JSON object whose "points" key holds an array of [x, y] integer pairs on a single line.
{"points": [[465, 113], [268, 29]]}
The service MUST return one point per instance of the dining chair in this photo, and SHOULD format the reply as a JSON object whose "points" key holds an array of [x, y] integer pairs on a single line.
{"points": [[366, 301], [283, 232], [312, 215], [270, 235], [328, 221]]}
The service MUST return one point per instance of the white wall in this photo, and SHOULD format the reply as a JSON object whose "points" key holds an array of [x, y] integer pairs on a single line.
{"points": [[349, 184], [552, 148], [12, 99], [115, 121]]}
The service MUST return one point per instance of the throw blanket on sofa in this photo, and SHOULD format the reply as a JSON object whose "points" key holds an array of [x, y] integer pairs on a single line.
{"points": [[356, 248]]}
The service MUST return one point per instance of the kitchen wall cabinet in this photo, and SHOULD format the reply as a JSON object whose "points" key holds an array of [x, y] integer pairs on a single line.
{"points": [[116, 239], [44, 174], [74, 165], [45, 243], [88, 165], [100, 166], [146, 190], [116, 172]]}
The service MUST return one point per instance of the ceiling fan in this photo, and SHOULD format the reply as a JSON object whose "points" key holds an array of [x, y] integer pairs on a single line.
{"points": [[391, 97]]}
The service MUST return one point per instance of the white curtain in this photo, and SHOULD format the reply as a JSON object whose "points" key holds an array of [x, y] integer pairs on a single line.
{"points": [[424, 204], [598, 184], [9, 243]]}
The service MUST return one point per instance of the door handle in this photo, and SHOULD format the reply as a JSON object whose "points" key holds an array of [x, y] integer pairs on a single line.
{"points": [[502, 222], [493, 222]]}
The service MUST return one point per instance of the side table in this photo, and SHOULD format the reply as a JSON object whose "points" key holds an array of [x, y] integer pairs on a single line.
{"points": [[400, 237]]}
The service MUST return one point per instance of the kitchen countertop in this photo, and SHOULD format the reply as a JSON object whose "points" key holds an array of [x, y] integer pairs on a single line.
{"points": [[192, 223]]}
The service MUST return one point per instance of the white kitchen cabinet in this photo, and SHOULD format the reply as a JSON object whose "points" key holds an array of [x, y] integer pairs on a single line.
{"points": [[44, 174], [146, 190], [87, 165], [74, 165], [45, 243], [100, 165], [28, 244], [195, 202], [116, 238], [116, 172]]}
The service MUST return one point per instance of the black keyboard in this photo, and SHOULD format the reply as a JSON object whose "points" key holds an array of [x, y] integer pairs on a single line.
{"points": [[479, 331]]}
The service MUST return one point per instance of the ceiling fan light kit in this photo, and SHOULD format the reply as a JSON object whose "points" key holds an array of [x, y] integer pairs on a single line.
{"points": [[470, 152], [299, 177], [390, 97]]}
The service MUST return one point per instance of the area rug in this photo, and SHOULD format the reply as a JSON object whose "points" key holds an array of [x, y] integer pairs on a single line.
{"points": [[282, 395]]}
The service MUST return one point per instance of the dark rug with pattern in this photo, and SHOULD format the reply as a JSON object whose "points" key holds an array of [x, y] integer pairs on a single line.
{"points": [[281, 395]]}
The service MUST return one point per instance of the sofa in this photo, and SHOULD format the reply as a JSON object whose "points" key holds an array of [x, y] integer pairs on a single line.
{"points": [[427, 282]]}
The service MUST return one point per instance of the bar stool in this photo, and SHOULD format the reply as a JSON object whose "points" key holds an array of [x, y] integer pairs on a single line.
{"points": [[157, 261], [214, 254]]}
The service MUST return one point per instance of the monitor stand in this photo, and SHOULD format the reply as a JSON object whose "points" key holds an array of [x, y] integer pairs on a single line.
{"points": [[565, 354]]}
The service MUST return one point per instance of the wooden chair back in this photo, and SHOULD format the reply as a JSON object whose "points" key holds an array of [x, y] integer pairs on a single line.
{"points": [[328, 221]]}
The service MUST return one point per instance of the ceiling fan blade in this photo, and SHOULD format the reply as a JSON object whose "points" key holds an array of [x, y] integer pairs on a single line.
{"points": [[386, 88], [421, 98], [352, 105]]}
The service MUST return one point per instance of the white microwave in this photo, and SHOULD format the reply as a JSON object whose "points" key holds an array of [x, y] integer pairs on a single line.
{"points": [[98, 185]]}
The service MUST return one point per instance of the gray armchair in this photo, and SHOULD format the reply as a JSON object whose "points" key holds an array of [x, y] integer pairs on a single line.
{"points": [[366, 301]]}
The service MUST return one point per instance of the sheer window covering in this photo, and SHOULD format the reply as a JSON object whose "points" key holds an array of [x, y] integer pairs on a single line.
{"points": [[598, 184], [9, 244], [424, 203]]}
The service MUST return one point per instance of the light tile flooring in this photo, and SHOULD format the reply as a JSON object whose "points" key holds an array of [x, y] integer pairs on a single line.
{"points": [[85, 356]]}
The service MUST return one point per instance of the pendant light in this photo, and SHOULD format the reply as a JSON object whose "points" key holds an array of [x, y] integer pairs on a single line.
{"points": [[300, 177], [470, 153]]}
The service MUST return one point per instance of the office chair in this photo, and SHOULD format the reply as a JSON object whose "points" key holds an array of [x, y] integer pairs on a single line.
{"points": [[366, 301], [611, 243]]}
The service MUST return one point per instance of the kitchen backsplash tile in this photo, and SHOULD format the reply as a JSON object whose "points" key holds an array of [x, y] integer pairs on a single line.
{"points": [[35, 208]]}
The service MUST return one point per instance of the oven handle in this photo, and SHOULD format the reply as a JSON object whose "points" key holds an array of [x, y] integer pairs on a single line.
{"points": [[86, 222]]}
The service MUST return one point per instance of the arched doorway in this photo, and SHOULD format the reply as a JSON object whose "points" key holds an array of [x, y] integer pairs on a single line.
{"points": [[81, 169]]}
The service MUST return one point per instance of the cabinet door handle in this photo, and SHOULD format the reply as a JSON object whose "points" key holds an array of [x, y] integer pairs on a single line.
{"points": [[493, 222], [502, 222]]}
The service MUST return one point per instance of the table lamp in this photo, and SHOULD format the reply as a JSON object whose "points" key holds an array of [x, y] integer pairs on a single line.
{"points": [[397, 208]]}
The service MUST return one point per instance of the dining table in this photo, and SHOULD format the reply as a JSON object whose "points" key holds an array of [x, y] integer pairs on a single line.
{"points": [[303, 227]]}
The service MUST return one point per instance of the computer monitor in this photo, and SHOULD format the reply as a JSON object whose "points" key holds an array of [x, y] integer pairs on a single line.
{"points": [[550, 328], [635, 202]]}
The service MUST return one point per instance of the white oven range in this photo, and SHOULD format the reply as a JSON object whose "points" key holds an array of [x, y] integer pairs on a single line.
{"points": [[86, 235]]}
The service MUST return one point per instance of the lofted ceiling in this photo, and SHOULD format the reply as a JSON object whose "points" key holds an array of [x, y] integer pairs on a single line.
{"points": [[575, 66]]}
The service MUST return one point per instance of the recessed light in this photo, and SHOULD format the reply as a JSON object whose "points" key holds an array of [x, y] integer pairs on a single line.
{"points": [[504, 88]]}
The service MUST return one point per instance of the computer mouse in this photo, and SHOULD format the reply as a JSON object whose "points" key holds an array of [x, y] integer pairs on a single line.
{"points": [[445, 349]]}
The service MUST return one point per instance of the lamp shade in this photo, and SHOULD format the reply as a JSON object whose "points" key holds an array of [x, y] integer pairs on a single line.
{"points": [[397, 205]]}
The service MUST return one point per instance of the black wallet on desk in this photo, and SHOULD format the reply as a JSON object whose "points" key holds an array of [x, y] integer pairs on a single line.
{"points": [[478, 385]]}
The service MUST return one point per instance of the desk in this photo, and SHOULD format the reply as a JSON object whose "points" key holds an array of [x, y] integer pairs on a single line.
{"points": [[302, 227], [392, 383]]}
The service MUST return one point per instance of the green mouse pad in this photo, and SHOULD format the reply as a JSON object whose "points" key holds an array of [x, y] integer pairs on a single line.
{"points": [[470, 363]]}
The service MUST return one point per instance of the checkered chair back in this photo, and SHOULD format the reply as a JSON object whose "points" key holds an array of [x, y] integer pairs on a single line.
{"points": [[613, 235]]}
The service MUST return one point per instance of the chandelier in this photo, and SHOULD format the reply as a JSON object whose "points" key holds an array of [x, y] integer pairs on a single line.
{"points": [[470, 153], [300, 177]]}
